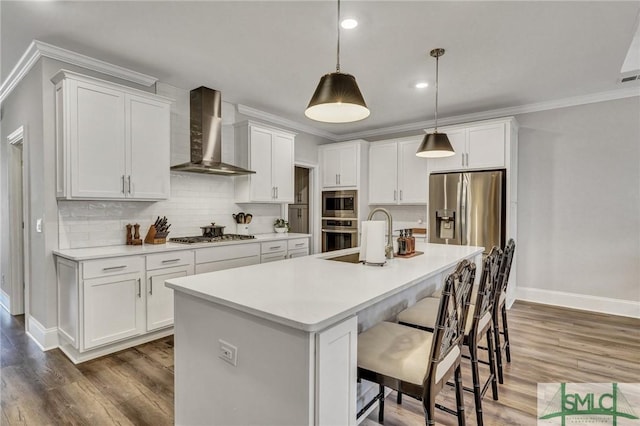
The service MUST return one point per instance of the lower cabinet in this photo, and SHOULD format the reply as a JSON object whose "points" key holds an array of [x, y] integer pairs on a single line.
{"points": [[162, 267], [113, 309], [297, 247], [212, 259]]}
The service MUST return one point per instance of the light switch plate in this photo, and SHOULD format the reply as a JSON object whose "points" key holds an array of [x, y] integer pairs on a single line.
{"points": [[228, 352], [38, 225]]}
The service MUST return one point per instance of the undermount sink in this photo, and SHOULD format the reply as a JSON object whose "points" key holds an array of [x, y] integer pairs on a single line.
{"points": [[349, 258]]}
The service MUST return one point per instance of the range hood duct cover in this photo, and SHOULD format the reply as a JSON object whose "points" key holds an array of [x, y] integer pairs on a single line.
{"points": [[206, 136]]}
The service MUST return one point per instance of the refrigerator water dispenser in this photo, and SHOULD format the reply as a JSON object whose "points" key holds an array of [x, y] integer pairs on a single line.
{"points": [[445, 224]]}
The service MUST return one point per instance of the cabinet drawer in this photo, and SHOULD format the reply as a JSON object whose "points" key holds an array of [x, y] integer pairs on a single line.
{"points": [[298, 253], [215, 254], [273, 257], [273, 246], [112, 266], [298, 243], [167, 260]]}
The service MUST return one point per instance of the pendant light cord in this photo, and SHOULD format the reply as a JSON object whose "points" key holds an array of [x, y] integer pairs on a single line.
{"points": [[436, 124], [338, 50]]}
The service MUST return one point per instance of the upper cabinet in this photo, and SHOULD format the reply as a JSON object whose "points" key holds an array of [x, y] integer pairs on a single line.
{"points": [[112, 141], [482, 145], [396, 174], [341, 164], [269, 152]]}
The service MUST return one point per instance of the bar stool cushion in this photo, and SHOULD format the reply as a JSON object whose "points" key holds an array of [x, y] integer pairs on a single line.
{"points": [[399, 351], [422, 314]]}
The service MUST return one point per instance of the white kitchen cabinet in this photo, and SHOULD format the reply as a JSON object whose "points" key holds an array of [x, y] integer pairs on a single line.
{"points": [[159, 298], [396, 174], [226, 257], [339, 165], [112, 141], [273, 251], [336, 373], [477, 146], [298, 247], [112, 300], [268, 152], [113, 309]]}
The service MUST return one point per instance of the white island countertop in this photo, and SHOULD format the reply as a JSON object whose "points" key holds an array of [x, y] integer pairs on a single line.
{"points": [[89, 253], [310, 293]]}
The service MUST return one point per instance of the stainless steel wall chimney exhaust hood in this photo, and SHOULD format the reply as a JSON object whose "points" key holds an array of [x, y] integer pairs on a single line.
{"points": [[206, 136]]}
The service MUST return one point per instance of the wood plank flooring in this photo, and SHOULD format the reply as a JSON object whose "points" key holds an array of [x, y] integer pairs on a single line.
{"points": [[135, 386]]}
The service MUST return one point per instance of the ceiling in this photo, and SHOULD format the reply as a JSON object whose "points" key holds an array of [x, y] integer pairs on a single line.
{"points": [[270, 55]]}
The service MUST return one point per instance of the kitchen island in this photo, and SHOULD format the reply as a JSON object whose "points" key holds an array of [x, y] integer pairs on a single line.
{"points": [[276, 343]]}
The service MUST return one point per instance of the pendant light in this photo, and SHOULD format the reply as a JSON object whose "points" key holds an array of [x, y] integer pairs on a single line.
{"points": [[435, 145], [337, 98]]}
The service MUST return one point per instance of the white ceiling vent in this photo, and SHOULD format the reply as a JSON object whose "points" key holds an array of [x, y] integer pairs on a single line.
{"points": [[630, 76]]}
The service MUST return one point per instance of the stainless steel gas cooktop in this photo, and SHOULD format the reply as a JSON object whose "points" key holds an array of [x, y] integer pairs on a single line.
{"points": [[219, 239]]}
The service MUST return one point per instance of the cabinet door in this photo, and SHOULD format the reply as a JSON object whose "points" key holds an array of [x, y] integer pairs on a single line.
{"points": [[261, 184], [383, 173], [148, 138], [348, 171], [97, 141], [413, 177], [486, 146], [282, 167], [458, 139], [336, 374], [330, 167], [160, 297], [113, 309]]}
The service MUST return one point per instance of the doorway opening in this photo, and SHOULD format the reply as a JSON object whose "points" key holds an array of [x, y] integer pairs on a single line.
{"points": [[15, 279]]}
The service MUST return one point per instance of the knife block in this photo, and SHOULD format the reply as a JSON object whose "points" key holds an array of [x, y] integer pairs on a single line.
{"points": [[154, 237]]}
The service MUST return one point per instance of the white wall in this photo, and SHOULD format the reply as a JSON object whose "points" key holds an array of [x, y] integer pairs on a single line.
{"points": [[579, 205]]}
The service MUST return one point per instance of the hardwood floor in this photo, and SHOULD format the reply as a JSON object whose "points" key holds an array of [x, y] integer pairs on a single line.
{"points": [[135, 386]]}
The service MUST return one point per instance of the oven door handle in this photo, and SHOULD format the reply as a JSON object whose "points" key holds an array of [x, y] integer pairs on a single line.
{"points": [[334, 231]]}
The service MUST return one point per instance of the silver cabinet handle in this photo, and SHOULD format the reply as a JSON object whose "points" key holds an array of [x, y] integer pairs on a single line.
{"points": [[401, 195], [170, 260], [395, 195], [274, 248], [467, 155], [299, 244], [139, 288], [332, 231], [276, 192], [129, 179], [339, 179], [150, 286], [336, 178], [123, 184], [462, 159], [113, 268]]}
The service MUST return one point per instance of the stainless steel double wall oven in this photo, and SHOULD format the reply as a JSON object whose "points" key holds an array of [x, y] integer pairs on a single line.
{"points": [[339, 220]]}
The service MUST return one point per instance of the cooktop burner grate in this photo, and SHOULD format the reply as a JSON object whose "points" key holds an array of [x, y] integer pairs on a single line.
{"points": [[201, 239]]}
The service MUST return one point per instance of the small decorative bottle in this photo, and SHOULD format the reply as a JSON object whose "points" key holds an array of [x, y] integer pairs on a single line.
{"points": [[412, 241], [402, 244]]}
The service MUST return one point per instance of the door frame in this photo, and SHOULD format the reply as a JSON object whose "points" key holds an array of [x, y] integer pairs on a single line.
{"points": [[314, 202], [19, 297]]}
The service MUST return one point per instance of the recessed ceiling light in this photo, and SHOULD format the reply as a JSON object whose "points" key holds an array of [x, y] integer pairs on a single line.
{"points": [[422, 85], [349, 23]]}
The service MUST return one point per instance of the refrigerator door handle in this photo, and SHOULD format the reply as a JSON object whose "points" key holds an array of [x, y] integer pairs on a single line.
{"points": [[464, 195]]}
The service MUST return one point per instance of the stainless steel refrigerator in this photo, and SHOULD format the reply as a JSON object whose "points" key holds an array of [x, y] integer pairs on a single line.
{"points": [[468, 208]]}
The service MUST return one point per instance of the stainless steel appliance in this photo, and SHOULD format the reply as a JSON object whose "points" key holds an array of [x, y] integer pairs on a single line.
{"points": [[338, 234], [206, 136], [203, 239], [468, 208], [340, 204], [299, 211]]}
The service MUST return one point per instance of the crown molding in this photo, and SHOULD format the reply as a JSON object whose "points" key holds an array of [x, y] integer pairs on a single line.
{"points": [[16, 137], [275, 119], [38, 49], [610, 95]]}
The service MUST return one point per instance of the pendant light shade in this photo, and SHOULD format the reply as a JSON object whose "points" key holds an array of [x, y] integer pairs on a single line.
{"points": [[435, 145], [337, 98]]}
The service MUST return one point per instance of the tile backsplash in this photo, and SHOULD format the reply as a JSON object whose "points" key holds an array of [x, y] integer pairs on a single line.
{"points": [[196, 200]]}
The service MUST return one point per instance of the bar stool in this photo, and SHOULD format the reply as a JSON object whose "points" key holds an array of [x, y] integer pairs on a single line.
{"points": [[416, 362], [500, 309], [478, 323]]}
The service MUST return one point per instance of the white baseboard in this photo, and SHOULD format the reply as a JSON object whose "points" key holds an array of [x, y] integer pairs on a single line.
{"points": [[5, 301], [45, 338], [580, 301]]}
